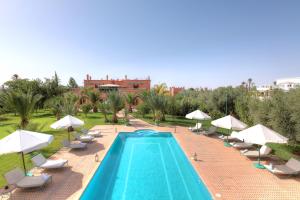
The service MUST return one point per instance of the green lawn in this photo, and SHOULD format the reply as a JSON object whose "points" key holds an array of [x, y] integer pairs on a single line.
{"points": [[40, 122], [283, 151], [179, 121]]}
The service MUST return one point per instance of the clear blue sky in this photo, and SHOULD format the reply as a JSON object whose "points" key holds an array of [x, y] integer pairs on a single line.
{"points": [[183, 43]]}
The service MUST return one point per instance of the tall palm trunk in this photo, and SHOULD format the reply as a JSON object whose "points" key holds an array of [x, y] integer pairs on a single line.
{"points": [[115, 118], [24, 123]]}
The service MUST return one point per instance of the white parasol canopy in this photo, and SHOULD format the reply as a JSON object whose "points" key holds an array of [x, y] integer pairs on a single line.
{"points": [[198, 115], [23, 142], [260, 135], [229, 122], [66, 122]]}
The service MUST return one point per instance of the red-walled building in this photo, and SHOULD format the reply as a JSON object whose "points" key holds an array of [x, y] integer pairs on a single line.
{"points": [[124, 86], [175, 90]]}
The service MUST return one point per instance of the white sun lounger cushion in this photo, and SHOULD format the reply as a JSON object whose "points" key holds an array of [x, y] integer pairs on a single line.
{"points": [[196, 127], [241, 145], [33, 181], [80, 145], [94, 133], [40, 161], [84, 138], [292, 167], [18, 178]]}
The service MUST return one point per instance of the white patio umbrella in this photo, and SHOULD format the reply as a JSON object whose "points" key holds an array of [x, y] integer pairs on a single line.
{"points": [[261, 135], [67, 122], [198, 115], [23, 142], [229, 122]]}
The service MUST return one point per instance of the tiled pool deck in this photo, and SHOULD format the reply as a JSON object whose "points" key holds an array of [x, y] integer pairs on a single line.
{"points": [[227, 174]]}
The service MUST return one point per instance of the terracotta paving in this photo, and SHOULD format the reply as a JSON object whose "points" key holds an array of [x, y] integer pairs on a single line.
{"points": [[227, 174]]}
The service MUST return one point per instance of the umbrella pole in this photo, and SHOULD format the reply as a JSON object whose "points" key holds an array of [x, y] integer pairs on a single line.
{"points": [[226, 143], [23, 160], [258, 165], [69, 134], [258, 156]]}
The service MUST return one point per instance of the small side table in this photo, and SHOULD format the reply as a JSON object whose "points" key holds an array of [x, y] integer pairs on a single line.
{"points": [[6, 193]]}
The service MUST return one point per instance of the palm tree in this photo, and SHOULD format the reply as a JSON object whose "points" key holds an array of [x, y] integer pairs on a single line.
{"points": [[161, 89], [158, 105], [70, 104], [146, 97], [56, 106], [249, 83], [243, 83], [15, 77], [94, 98], [130, 98], [115, 103], [104, 107], [23, 103]]}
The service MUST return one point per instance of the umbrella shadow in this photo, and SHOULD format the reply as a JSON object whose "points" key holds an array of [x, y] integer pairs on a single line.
{"points": [[63, 185], [92, 148]]}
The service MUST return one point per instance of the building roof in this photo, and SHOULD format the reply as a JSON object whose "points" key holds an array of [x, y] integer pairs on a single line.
{"points": [[288, 80]]}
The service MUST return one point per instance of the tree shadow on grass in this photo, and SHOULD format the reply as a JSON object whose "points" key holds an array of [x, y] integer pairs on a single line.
{"points": [[42, 115], [4, 118]]}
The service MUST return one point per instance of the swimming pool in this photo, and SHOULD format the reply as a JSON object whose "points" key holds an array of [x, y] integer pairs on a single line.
{"points": [[145, 165]]}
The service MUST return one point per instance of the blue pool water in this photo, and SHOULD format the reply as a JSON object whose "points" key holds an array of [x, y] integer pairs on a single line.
{"points": [[145, 165]]}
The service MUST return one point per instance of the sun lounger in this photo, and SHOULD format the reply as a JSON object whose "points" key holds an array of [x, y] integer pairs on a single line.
{"points": [[84, 138], [212, 130], [292, 167], [79, 145], [17, 177], [40, 161], [94, 133], [241, 145], [264, 152], [197, 127], [231, 137]]}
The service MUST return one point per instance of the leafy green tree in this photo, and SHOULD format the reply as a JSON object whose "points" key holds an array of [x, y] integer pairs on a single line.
{"points": [[172, 106], [23, 104], [72, 83], [260, 111], [86, 108], [281, 115], [143, 109], [115, 102], [294, 105], [242, 108], [52, 87]]}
